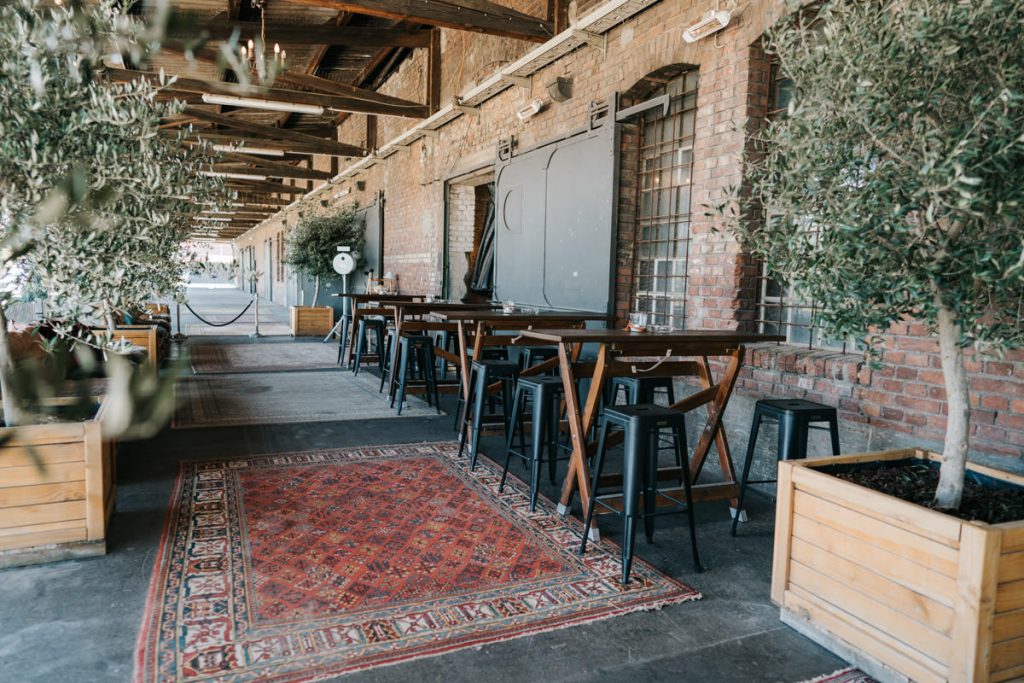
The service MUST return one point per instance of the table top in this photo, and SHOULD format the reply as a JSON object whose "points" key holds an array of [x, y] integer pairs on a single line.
{"points": [[379, 297], [625, 336], [424, 307], [520, 316]]}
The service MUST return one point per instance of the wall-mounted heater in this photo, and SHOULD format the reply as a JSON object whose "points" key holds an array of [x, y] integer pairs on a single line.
{"points": [[712, 22]]}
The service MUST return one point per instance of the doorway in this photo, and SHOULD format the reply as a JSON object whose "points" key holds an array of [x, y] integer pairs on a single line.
{"points": [[469, 237]]}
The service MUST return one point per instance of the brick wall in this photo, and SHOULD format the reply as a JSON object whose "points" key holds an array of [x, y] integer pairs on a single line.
{"points": [[901, 402]]}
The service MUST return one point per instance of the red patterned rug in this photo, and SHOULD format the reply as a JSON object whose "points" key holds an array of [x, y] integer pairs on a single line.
{"points": [[301, 566]]}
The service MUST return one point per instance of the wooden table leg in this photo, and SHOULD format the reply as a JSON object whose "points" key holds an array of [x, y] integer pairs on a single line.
{"points": [[580, 421], [713, 432]]}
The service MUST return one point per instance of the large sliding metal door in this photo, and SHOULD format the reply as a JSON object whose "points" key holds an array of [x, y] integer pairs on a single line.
{"points": [[556, 211]]}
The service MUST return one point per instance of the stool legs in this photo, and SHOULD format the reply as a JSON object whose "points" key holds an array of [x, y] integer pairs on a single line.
{"points": [[755, 427], [598, 463], [688, 492], [631, 479], [343, 339], [360, 347], [516, 418]]}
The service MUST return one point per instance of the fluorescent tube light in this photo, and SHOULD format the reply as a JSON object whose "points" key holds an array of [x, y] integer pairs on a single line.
{"points": [[256, 103], [262, 151], [235, 176]]}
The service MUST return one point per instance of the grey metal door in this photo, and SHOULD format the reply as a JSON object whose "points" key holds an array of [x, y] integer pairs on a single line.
{"points": [[372, 216], [555, 236]]}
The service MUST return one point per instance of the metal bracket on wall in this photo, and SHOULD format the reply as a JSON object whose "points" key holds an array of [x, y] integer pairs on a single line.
{"points": [[505, 147], [598, 112], [663, 101], [464, 108], [523, 82], [593, 39]]}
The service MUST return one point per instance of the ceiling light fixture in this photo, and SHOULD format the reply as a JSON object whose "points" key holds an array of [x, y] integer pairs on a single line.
{"points": [[242, 149], [257, 103], [235, 176]]}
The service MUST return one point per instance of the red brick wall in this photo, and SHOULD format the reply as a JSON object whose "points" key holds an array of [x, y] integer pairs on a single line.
{"points": [[904, 398]]}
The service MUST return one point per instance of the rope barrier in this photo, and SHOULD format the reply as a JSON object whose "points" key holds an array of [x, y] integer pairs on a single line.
{"points": [[207, 322]]}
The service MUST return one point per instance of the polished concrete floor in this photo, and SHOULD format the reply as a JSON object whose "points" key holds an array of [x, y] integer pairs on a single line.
{"points": [[78, 620]]}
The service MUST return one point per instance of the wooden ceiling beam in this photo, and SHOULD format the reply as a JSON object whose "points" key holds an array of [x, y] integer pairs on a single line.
{"points": [[226, 137], [272, 132], [273, 172], [481, 16], [305, 34], [328, 86], [264, 162], [263, 186], [336, 102]]}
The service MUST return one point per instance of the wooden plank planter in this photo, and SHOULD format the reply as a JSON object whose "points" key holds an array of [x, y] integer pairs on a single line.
{"points": [[60, 510], [899, 590], [312, 321]]}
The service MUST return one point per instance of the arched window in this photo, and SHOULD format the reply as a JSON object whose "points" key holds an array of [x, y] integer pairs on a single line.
{"points": [[662, 249]]}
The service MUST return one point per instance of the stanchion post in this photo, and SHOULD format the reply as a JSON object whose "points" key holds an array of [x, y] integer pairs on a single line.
{"points": [[177, 315], [257, 334]]}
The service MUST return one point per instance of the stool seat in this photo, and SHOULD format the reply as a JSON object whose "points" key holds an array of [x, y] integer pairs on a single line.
{"points": [[809, 410], [795, 417]]}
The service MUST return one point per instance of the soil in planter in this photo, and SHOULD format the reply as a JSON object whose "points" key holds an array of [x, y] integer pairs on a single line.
{"points": [[984, 500]]}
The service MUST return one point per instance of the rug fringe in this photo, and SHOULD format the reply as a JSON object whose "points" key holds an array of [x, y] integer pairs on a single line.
{"points": [[834, 674]]}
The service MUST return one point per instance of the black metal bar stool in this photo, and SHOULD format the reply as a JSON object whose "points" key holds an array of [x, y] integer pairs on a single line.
{"points": [[795, 417], [416, 353], [532, 355], [642, 390], [367, 325], [482, 374], [642, 424], [544, 394], [489, 353]]}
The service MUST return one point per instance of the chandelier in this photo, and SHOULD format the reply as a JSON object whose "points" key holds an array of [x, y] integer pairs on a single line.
{"points": [[253, 53]]}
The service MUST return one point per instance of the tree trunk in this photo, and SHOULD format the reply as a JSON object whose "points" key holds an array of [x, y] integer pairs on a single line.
{"points": [[954, 452], [108, 319], [12, 413], [316, 290]]}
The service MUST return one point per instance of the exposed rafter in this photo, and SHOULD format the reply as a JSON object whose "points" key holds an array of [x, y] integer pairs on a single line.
{"points": [[335, 102], [481, 16], [307, 34], [273, 133], [240, 140]]}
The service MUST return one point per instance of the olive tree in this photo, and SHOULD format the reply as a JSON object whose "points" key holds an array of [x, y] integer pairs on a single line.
{"points": [[91, 196], [893, 187], [312, 246]]}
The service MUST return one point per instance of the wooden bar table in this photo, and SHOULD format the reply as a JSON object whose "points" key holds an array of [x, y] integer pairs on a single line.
{"points": [[405, 311], [672, 354], [485, 323], [361, 307]]}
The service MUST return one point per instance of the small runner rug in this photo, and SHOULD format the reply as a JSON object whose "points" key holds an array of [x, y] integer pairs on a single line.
{"points": [[266, 357], [302, 566], [282, 398]]}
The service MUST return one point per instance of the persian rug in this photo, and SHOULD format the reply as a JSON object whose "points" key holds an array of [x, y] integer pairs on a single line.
{"points": [[302, 566], [280, 398], [849, 675], [274, 357]]}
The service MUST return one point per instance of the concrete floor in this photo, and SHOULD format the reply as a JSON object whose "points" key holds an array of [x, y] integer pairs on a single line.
{"points": [[78, 620]]}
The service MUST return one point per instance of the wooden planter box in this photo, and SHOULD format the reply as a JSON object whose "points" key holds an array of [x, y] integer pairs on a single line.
{"points": [[61, 510], [312, 321], [899, 590], [140, 335]]}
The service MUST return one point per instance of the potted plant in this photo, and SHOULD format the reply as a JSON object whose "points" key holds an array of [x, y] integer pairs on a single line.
{"points": [[311, 249], [893, 189], [94, 207]]}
